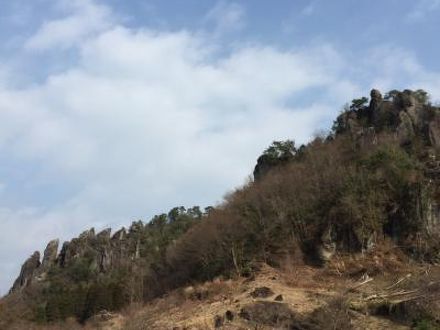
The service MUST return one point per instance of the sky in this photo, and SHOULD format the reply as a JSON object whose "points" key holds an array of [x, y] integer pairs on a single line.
{"points": [[113, 111]]}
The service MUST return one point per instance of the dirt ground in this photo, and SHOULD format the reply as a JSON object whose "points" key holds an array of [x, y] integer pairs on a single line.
{"points": [[383, 289], [364, 292]]}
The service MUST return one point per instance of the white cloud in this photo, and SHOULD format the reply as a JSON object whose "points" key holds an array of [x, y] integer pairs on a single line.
{"points": [[422, 9], [85, 19], [146, 120], [227, 16]]}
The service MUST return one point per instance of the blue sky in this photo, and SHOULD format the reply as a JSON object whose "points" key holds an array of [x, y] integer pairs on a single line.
{"points": [[112, 111]]}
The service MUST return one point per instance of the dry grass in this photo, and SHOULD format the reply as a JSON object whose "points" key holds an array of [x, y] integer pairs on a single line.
{"points": [[313, 298]]}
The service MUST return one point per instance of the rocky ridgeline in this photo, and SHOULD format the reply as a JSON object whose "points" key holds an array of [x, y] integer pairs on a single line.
{"points": [[412, 122], [407, 118], [105, 251], [406, 113]]}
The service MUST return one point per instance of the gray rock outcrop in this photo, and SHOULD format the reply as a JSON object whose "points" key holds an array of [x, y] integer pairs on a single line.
{"points": [[101, 252], [50, 253], [27, 272], [375, 102], [405, 130]]}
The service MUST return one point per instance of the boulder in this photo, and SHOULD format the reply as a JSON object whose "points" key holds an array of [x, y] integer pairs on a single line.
{"points": [[273, 314], [279, 298], [262, 292]]}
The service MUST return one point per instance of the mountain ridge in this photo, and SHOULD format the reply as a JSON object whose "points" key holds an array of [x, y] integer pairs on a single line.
{"points": [[373, 178]]}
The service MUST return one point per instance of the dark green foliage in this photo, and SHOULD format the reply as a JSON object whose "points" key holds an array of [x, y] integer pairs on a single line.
{"points": [[277, 154], [340, 123], [357, 111], [378, 189], [391, 95], [358, 104], [426, 325], [40, 314], [280, 149], [421, 96], [80, 270], [104, 295]]}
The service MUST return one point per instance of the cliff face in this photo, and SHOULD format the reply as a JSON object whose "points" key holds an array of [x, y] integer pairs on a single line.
{"points": [[102, 251], [415, 124], [33, 270], [402, 118], [406, 113], [28, 272]]}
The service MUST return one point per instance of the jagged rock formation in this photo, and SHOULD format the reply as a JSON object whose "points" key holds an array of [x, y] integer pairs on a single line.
{"points": [[33, 270], [116, 260], [408, 119], [406, 113], [102, 251], [50, 253], [415, 124], [27, 273], [376, 100], [401, 112]]}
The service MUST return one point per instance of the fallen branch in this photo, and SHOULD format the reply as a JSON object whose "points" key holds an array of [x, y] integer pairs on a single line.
{"points": [[398, 282], [360, 284], [401, 293]]}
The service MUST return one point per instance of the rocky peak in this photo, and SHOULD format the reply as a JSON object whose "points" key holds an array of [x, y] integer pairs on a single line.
{"points": [[406, 99], [376, 98], [87, 234], [50, 253], [27, 272], [104, 235], [407, 113], [120, 234], [101, 252]]}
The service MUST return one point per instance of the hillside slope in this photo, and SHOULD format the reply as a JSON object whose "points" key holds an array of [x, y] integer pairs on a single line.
{"points": [[300, 298]]}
